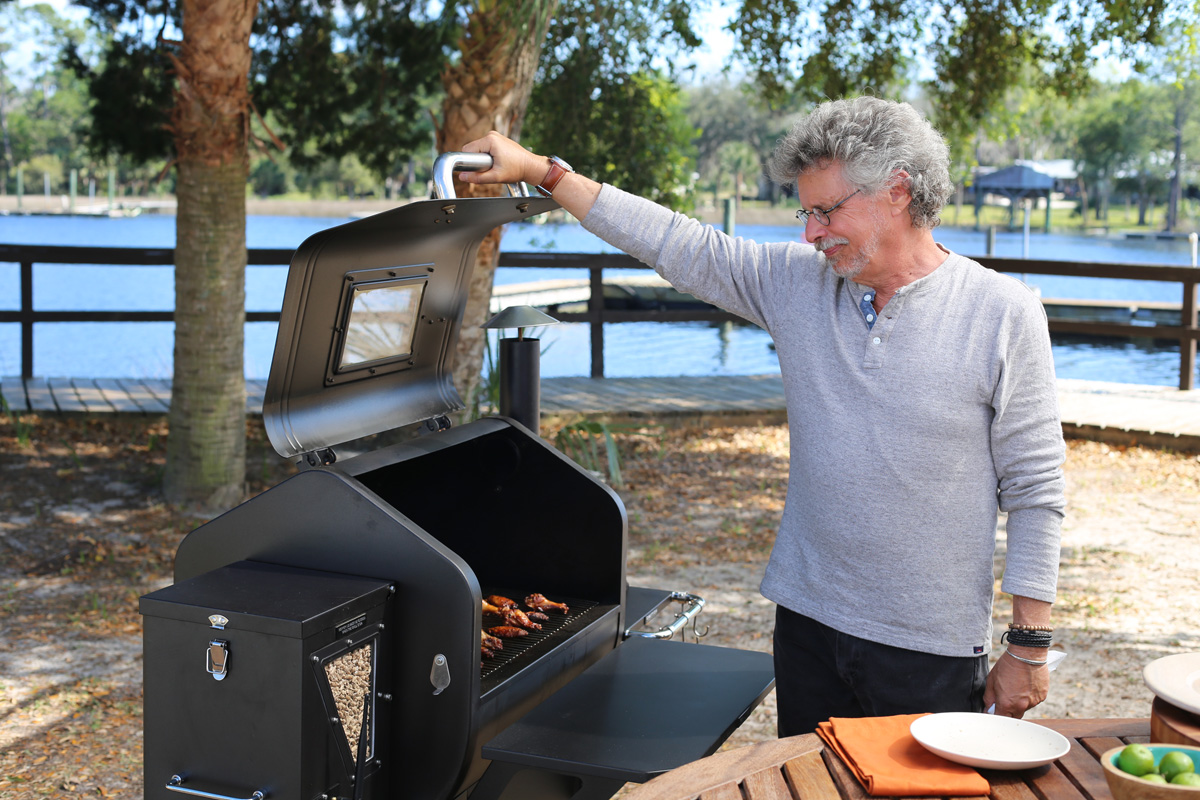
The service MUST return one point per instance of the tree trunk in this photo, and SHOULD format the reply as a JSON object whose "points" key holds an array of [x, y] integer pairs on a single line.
{"points": [[206, 448], [7, 149], [1143, 200], [1176, 190], [488, 89]]}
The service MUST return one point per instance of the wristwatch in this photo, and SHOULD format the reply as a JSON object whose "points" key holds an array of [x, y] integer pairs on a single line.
{"points": [[558, 168]]}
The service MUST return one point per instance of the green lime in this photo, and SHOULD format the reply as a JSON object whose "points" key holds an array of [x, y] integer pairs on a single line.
{"points": [[1136, 759], [1153, 777], [1175, 762], [1186, 779]]}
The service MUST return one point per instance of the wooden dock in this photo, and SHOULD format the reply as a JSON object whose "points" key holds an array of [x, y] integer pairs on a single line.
{"points": [[1161, 416], [654, 291]]}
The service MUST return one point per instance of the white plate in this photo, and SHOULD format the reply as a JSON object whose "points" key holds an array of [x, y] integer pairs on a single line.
{"points": [[1176, 679], [983, 740]]}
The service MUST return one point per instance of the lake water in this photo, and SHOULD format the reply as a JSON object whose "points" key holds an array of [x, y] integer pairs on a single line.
{"points": [[631, 349]]}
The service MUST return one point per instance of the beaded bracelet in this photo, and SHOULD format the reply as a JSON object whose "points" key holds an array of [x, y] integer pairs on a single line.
{"points": [[1028, 661], [1019, 626], [1026, 638]]}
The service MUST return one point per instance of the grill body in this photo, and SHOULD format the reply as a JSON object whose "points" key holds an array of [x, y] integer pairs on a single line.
{"points": [[482, 505]]}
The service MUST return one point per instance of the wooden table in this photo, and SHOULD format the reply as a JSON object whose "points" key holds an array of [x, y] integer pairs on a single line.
{"points": [[801, 768]]}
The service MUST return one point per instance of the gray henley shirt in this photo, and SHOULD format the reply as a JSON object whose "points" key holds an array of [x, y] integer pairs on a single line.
{"points": [[907, 434]]}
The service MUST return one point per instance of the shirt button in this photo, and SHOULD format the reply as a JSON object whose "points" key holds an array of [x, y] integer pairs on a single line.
{"points": [[870, 317], [867, 297], [877, 340]]}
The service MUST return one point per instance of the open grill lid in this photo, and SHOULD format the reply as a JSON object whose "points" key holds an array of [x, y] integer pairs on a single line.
{"points": [[371, 314]]}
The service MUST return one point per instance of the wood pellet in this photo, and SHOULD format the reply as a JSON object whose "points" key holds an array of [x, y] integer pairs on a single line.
{"points": [[349, 677]]}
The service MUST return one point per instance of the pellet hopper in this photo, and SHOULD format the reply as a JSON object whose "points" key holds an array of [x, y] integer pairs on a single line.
{"points": [[328, 637]]}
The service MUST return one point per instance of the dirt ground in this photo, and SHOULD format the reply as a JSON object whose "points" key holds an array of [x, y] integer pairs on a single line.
{"points": [[83, 534]]}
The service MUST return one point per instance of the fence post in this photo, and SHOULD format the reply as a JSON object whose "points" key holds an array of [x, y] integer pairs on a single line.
{"points": [[1187, 344], [27, 319], [596, 314]]}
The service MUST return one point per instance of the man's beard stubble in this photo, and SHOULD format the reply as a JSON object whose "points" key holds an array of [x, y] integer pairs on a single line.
{"points": [[851, 265]]}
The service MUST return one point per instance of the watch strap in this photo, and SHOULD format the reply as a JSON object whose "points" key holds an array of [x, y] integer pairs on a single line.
{"points": [[558, 168]]}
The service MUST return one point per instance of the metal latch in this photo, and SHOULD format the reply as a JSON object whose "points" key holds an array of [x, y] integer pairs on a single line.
{"points": [[439, 674], [218, 659]]}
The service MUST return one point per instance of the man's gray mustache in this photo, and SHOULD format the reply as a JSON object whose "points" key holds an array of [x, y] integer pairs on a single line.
{"points": [[824, 244]]}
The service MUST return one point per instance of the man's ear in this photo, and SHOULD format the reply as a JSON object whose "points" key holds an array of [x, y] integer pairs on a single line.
{"points": [[900, 190]]}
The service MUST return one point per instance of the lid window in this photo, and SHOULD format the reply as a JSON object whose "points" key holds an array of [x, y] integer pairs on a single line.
{"points": [[381, 322]]}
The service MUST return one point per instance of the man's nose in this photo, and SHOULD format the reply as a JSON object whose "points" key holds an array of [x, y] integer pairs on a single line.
{"points": [[813, 229]]}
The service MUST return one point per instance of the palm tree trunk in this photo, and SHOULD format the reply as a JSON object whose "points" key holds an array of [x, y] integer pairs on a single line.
{"points": [[488, 89], [206, 449]]}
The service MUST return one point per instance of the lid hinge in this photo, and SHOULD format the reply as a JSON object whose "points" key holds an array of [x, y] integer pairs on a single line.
{"points": [[437, 424], [317, 458]]}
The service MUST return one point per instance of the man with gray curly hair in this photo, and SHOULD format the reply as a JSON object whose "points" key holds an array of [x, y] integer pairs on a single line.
{"points": [[921, 402], [874, 141]]}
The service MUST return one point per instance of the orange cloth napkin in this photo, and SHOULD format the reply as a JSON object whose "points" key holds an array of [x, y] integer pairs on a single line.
{"points": [[887, 760]]}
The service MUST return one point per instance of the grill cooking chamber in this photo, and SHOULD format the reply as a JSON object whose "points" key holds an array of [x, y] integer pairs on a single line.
{"points": [[339, 612]]}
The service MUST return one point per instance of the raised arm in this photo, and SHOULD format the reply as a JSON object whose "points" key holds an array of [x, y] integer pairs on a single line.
{"points": [[513, 163]]}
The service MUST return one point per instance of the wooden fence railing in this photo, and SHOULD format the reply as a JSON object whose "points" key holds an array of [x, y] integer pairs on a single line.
{"points": [[1187, 332]]}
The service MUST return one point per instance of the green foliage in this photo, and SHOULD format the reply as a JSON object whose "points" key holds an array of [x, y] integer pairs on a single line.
{"points": [[600, 103], [631, 132], [22, 428], [978, 48], [487, 390], [739, 162], [725, 114], [269, 176], [44, 108], [592, 445], [131, 95], [351, 80], [337, 80]]}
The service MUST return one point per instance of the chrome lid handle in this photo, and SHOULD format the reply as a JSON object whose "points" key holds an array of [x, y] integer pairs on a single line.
{"points": [[449, 163]]}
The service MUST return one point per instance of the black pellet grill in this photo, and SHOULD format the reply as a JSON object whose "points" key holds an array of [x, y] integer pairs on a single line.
{"points": [[322, 640]]}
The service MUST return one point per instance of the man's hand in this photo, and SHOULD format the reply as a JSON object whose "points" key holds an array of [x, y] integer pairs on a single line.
{"points": [[1016, 687], [511, 163]]}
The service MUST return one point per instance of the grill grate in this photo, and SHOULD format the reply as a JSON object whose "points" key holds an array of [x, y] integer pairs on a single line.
{"points": [[515, 649]]}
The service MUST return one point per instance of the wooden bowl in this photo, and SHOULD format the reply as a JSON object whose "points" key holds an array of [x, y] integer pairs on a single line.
{"points": [[1130, 787], [1170, 724]]}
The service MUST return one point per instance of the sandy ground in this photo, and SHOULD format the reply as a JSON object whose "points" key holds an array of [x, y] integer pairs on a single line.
{"points": [[82, 535]]}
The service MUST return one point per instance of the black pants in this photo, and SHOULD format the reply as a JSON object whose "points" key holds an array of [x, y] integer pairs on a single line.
{"points": [[822, 673]]}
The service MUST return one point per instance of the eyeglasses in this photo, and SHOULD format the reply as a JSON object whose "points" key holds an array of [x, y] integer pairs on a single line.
{"points": [[822, 214]]}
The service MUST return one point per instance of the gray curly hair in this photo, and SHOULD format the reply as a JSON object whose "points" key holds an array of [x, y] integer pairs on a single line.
{"points": [[872, 139]]}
